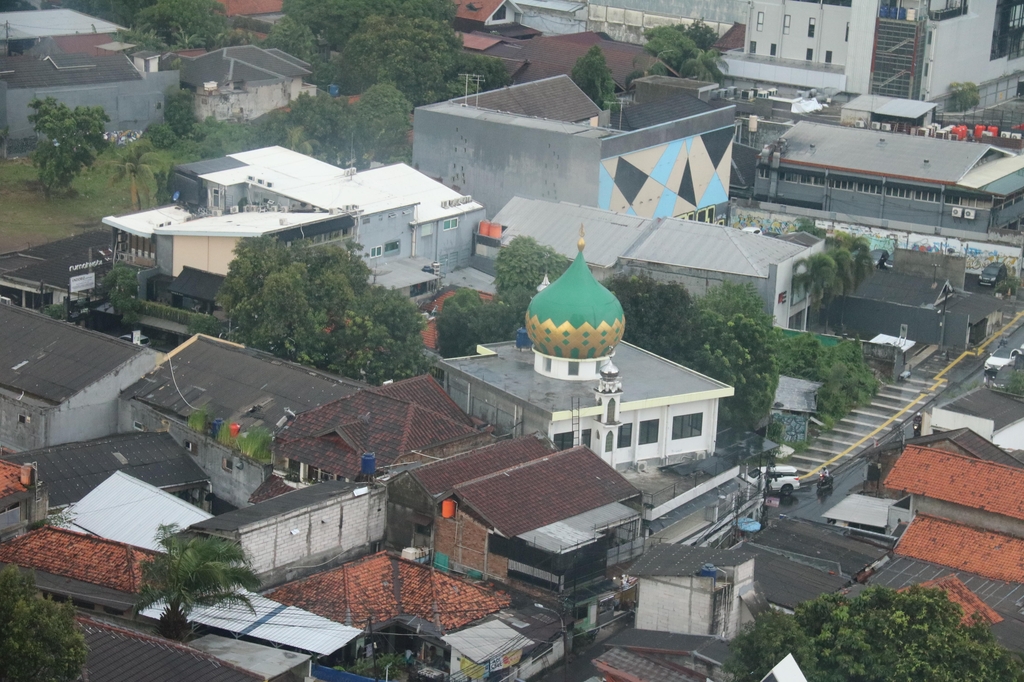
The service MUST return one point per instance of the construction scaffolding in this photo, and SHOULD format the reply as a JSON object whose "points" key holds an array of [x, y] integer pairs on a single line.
{"points": [[897, 62]]}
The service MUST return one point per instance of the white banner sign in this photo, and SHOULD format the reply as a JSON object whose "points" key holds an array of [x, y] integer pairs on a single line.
{"points": [[83, 282]]}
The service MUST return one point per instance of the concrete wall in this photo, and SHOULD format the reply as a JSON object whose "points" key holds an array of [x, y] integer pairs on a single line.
{"points": [[947, 420], [505, 412], [868, 318], [233, 476], [452, 248], [627, 20], [793, 42], [407, 502], [494, 161], [90, 413], [939, 266], [329, 534], [131, 105], [212, 254], [246, 105], [969, 516], [684, 604]]}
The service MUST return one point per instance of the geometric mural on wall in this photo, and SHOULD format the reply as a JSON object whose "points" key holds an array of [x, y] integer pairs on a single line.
{"points": [[671, 179]]}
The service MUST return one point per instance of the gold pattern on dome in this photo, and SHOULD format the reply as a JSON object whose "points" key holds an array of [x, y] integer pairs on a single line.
{"points": [[565, 341]]}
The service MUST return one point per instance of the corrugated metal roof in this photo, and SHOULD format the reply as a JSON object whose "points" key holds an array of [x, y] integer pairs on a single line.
{"points": [[552, 5], [885, 154], [861, 509], [1002, 176], [273, 622], [480, 642], [53, 22], [890, 106], [127, 510], [401, 273], [581, 529], [796, 395]]}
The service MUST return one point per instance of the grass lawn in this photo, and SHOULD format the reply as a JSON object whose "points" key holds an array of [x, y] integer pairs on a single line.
{"points": [[27, 217]]}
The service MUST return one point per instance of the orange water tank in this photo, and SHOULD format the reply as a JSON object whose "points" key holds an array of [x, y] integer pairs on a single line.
{"points": [[496, 230], [235, 430], [448, 509], [485, 229], [28, 475]]}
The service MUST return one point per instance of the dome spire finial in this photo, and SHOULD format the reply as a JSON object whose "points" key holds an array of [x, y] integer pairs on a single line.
{"points": [[581, 243]]}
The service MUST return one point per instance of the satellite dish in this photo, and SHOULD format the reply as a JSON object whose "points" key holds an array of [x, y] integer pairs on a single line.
{"points": [[174, 197]]}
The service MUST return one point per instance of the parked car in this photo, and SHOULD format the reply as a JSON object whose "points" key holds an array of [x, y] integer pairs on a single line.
{"points": [[993, 274], [882, 259], [1001, 357], [782, 478], [143, 339]]}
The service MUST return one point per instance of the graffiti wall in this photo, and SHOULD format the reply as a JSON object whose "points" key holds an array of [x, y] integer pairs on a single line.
{"points": [[794, 426], [770, 223], [978, 254]]}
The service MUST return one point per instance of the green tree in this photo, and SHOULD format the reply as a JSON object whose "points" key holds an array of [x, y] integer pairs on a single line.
{"points": [[135, 163], [121, 287], [467, 321], [69, 141], [1016, 383], [298, 141], [807, 225], [294, 38], [703, 65], [382, 121], [180, 111], [818, 275], [963, 96], [847, 379], [879, 636], [524, 263], [193, 572], [738, 345], [493, 70], [185, 23], [338, 20], [328, 121], [592, 75], [417, 56], [142, 39], [660, 317], [315, 305], [38, 641], [670, 45], [703, 36]]}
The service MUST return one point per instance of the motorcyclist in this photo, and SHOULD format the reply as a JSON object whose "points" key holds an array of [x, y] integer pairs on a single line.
{"points": [[824, 478]]}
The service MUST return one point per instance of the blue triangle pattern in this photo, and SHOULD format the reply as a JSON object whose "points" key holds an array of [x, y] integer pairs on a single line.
{"points": [[714, 194], [604, 189], [666, 205], [630, 211], [666, 163]]}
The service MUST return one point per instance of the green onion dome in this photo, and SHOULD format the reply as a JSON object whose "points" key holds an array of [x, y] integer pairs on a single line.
{"points": [[575, 317]]}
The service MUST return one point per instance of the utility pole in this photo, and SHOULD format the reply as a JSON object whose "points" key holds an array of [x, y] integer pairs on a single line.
{"points": [[373, 648]]}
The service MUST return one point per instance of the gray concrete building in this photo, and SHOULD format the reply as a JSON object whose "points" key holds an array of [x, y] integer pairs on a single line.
{"points": [[907, 182], [311, 529], [660, 161], [60, 383], [628, 19], [696, 255], [132, 100]]}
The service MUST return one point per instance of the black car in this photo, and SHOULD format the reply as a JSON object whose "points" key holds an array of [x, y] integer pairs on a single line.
{"points": [[992, 275]]}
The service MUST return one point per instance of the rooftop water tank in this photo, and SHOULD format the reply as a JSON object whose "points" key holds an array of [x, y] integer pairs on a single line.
{"points": [[368, 464], [523, 339], [708, 571]]}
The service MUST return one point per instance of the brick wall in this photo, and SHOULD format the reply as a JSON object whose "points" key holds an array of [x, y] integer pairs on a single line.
{"points": [[464, 540]]}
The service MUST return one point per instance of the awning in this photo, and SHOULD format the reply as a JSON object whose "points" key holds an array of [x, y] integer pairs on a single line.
{"points": [[406, 272], [273, 622], [582, 529], [197, 284], [862, 510], [481, 643], [886, 340]]}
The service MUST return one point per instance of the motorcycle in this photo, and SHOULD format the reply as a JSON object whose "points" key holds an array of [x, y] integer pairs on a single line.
{"points": [[825, 483]]}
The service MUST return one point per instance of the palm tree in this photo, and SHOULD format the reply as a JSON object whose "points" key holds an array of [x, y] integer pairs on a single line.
{"points": [[135, 163], [818, 275], [193, 572], [704, 65], [298, 142]]}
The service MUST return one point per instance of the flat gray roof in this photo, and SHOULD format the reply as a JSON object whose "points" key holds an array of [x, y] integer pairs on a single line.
{"points": [[466, 111], [645, 376], [890, 106], [870, 152]]}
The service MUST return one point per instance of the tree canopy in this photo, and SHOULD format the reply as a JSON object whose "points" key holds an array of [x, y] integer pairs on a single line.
{"points": [[680, 48], [879, 636], [314, 305], [192, 572], [185, 23], [70, 140], [847, 380], [339, 20], [38, 640], [293, 37], [121, 287], [523, 263], [592, 75]]}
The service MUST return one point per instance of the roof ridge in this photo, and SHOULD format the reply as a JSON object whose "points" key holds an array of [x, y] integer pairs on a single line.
{"points": [[966, 458], [516, 467]]}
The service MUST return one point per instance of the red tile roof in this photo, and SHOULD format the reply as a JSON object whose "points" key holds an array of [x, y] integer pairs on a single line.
{"points": [[246, 7], [545, 490], [477, 10], [982, 552], [960, 594], [733, 39], [269, 489], [10, 479], [967, 481], [84, 43], [67, 553], [434, 307], [478, 41], [442, 476], [382, 587], [389, 421]]}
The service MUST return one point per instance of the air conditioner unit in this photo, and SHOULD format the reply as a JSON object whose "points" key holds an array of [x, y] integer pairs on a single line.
{"points": [[5, 301], [641, 467], [1005, 135], [957, 212], [887, 127], [969, 213], [284, 209], [467, 199], [875, 125], [233, 209], [334, 211], [859, 124], [1015, 136], [274, 208], [217, 212], [748, 94]]}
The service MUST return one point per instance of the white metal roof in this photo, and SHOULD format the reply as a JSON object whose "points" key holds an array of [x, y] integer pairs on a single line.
{"points": [[401, 273], [867, 511], [890, 106], [552, 5], [582, 529], [174, 220], [53, 22], [887, 340], [125, 509], [480, 642], [273, 622]]}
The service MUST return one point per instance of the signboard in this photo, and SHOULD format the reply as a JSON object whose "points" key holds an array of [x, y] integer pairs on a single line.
{"points": [[82, 282], [86, 266], [771, 502]]}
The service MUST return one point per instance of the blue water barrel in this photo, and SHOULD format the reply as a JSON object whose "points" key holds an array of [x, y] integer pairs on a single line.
{"points": [[368, 464], [523, 338], [903, 13], [333, 89], [218, 424], [708, 571]]}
